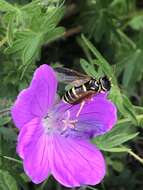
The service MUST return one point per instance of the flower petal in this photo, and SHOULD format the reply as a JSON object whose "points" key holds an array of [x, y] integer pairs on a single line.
{"points": [[97, 116], [26, 135], [75, 162], [36, 159], [37, 98]]}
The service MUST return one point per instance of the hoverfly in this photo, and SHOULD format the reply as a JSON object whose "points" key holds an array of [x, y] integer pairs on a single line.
{"points": [[83, 86]]}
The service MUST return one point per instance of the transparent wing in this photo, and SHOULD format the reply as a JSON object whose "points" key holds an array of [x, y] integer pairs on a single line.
{"points": [[66, 75]]}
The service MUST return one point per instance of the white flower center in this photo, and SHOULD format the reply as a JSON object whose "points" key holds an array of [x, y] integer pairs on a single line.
{"points": [[51, 123], [48, 124]]}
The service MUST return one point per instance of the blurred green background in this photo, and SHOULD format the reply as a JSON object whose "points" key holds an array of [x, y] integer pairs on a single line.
{"points": [[92, 36]]}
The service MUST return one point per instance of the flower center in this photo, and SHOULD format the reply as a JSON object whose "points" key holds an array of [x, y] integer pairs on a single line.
{"points": [[47, 123], [62, 124], [69, 123]]}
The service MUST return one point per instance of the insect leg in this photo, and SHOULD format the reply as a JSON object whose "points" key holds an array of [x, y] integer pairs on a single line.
{"points": [[81, 107]]}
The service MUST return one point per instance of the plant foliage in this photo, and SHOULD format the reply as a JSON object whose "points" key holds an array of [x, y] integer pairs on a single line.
{"points": [[96, 37]]}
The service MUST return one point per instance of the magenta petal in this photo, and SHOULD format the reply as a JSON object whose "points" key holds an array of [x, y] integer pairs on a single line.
{"points": [[36, 159], [75, 162], [97, 117], [26, 135], [33, 148], [37, 98]]}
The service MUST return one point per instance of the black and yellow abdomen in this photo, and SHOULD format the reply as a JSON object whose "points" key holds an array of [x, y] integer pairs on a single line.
{"points": [[75, 94]]}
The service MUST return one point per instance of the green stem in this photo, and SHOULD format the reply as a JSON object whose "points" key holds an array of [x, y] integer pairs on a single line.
{"points": [[92, 188], [135, 156], [126, 120], [11, 159]]}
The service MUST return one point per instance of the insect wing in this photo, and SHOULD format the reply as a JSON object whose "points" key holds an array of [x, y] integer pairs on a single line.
{"points": [[66, 75]]}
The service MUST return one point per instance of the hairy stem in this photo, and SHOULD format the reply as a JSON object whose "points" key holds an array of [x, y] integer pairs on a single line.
{"points": [[135, 156], [11, 159]]}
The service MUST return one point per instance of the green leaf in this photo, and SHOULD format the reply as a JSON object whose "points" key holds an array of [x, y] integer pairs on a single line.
{"points": [[123, 103], [32, 47], [5, 6], [107, 69], [52, 18], [117, 165], [119, 135], [133, 70], [7, 182], [129, 109], [44, 22], [136, 22], [4, 120], [54, 34], [8, 133], [88, 68], [27, 44]]}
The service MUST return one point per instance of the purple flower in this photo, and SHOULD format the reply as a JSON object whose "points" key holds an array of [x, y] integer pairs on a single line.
{"points": [[53, 140]]}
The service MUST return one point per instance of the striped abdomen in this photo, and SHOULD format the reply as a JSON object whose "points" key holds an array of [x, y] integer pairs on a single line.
{"points": [[76, 94]]}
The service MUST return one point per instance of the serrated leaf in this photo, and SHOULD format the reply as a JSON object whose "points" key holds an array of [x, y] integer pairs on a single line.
{"points": [[32, 47], [54, 34], [52, 18], [119, 135], [27, 44], [7, 182]]}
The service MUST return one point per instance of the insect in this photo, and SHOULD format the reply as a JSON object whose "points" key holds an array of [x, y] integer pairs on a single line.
{"points": [[83, 86]]}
